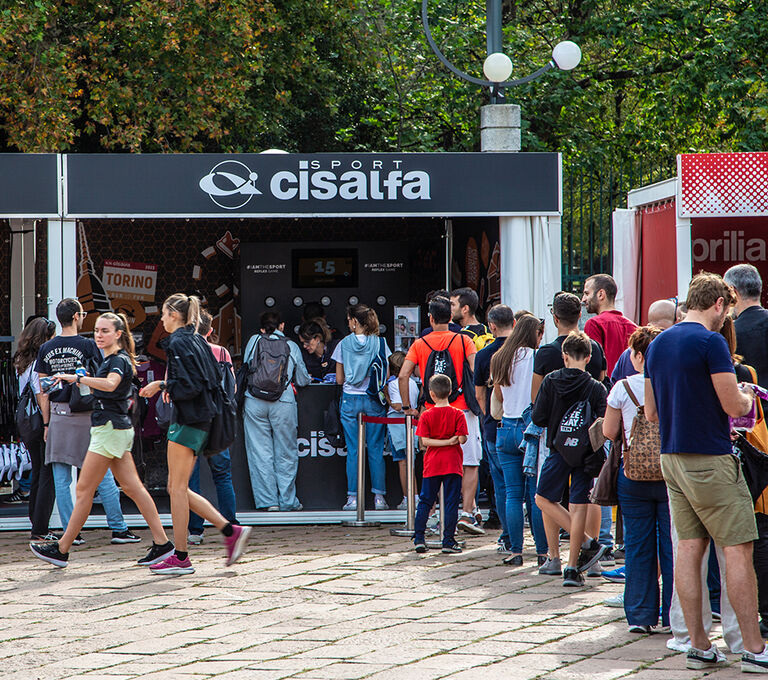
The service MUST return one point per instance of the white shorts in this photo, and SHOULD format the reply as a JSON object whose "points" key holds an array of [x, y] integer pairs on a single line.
{"points": [[473, 447]]}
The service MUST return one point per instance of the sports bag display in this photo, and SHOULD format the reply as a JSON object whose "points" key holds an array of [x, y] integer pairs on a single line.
{"points": [[642, 455]]}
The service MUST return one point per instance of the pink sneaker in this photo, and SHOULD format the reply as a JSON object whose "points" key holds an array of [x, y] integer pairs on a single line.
{"points": [[173, 566], [235, 544]]}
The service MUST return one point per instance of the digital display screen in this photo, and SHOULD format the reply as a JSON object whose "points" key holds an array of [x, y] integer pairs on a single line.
{"points": [[325, 268]]}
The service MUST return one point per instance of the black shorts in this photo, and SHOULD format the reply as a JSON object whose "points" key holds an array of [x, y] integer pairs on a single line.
{"points": [[554, 478]]}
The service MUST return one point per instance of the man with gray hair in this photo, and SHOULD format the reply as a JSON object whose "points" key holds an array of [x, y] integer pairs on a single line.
{"points": [[751, 319]]}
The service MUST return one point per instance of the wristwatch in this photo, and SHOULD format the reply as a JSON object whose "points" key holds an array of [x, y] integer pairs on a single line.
{"points": [[162, 384]]}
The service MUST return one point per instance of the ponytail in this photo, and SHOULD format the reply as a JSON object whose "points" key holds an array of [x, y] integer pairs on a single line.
{"points": [[125, 342], [187, 306], [366, 317]]}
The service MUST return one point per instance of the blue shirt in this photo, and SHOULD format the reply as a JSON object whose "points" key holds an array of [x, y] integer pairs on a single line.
{"points": [[623, 368], [482, 374], [298, 370], [680, 363]]}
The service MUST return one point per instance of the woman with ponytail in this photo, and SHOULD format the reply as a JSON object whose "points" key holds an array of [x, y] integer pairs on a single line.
{"points": [[354, 357], [192, 380], [110, 444]]}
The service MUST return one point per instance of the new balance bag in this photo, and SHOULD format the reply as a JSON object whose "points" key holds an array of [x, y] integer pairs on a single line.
{"points": [[268, 369], [29, 420], [572, 437]]}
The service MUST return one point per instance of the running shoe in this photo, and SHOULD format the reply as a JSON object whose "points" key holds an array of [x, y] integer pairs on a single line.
{"points": [[755, 663], [618, 602], [572, 578], [351, 503], [608, 560], [46, 538], [640, 630], [156, 553], [513, 561], [195, 539], [173, 566], [421, 546], [17, 496], [590, 556], [235, 544], [699, 659], [615, 575], [551, 567], [451, 549], [469, 524], [379, 503], [126, 536], [49, 552], [79, 540]]}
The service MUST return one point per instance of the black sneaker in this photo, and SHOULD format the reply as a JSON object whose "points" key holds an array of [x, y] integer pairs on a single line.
{"points": [[421, 546], [79, 540], [126, 536], [156, 554], [513, 561], [49, 552], [572, 578], [590, 556], [698, 659], [17, 496], [451, 549], [44, 538]]}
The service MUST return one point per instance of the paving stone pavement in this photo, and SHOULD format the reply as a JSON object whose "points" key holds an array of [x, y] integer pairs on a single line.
{"points": [[315, 603]]}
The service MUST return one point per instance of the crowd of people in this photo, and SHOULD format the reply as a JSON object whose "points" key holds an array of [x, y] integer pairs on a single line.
{"points": [[664, 416]]}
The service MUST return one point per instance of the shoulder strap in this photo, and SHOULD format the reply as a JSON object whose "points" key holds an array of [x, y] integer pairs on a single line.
{"points": [[752, 372], [630, 393]]}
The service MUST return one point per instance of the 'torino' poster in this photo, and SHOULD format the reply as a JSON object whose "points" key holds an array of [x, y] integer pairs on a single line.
{"points": [[130, 280]]}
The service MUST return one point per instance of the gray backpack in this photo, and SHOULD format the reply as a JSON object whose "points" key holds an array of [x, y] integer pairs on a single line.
{"points": [[268, 375]]}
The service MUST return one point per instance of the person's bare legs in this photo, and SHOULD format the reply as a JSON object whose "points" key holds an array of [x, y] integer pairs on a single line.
{"points": [[552, 531], [181, 461], [742, 593], [690, 553], [92, 473], [469, 488], [579, 512], [594, 517], [124, 470]]}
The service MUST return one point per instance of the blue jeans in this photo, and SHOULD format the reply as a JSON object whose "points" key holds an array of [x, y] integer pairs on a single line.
{"points": [[221, 471], [499, 489], [430, 491], [375, 435], [107, 494], [647, 542], [508, 439]]}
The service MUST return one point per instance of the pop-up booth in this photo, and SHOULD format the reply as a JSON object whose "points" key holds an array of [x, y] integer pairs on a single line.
{"points": [[253, 232]]}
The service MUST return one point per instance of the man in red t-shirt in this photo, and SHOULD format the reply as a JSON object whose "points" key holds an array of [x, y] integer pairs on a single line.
{"points": [[459, 346], [442, 429], [610, 327]]}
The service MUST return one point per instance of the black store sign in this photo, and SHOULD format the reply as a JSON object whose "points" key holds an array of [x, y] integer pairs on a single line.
{"points": [[263, 185], [30, 185]]}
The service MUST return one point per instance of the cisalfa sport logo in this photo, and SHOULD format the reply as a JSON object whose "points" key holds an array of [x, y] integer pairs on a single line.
{"points": [[230, 184]]}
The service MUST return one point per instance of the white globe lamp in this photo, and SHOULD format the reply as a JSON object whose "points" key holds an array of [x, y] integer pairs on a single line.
{"points": [[566, 55], [497, 67]]}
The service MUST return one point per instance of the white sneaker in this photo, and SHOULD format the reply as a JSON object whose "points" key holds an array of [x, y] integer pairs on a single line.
{"points": [[379, 503], [615, 601], [195, 539], [403, 504], [698, 659], [755, 663], [678, 645], [351, 503]]}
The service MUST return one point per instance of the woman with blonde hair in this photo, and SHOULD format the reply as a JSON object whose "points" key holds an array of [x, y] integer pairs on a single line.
{"points": [[111, 442]]}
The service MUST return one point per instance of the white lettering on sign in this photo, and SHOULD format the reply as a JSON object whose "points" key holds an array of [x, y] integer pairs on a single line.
{"points": [[733, 247], [130, 280], [318, 445], [266, 268]]}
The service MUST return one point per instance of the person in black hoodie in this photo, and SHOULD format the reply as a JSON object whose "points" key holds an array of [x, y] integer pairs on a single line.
{"points": [[560, 390], [192, 379]]}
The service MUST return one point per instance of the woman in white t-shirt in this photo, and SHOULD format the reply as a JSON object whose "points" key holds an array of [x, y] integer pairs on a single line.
{"points": [[512, 375], [354, 357], [644, 506]]}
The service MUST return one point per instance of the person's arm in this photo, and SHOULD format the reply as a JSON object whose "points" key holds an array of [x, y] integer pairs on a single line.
{"points": [[45, 407], [536, 386], [612, 423], [108, 384], [541, 407], [480, 392], [300, 374], [339, 373], [428, 441], [649, 405], [733, 400], [402, 382]]}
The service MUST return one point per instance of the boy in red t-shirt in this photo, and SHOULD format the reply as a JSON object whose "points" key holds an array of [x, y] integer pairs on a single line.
{"points": [[442, 429]]}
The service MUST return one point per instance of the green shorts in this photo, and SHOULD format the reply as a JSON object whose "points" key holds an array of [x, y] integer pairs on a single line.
{"points": [[109, 442], [708, 496], [192, 437]]}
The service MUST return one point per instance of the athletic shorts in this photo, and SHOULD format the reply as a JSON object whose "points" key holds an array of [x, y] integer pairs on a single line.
{"points": [[109, 442], [708, 496], [193, 438], [553, 479], [473, 447]]}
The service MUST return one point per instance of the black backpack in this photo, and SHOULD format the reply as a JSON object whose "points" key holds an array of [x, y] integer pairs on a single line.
{"points": [[29, 420], [440, 361], [268, 375], [572, 436]]}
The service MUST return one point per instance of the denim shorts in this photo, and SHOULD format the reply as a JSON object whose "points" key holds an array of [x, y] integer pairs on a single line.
{"points": [[554, 478]]}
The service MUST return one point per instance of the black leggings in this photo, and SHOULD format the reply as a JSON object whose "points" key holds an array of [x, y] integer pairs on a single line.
{"points": [[41, 492]]}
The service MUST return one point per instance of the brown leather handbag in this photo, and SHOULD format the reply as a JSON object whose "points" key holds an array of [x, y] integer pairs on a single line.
{"points": [[642, 456]]}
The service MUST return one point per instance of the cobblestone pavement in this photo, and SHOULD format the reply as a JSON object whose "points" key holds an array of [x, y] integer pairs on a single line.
{"points": [[314, 603]]}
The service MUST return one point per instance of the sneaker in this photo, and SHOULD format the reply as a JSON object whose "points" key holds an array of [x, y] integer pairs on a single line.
{"points": [[172, 566], [678, 645], [590, 556], [595, 571], [235, 544], [451, 549], [660, 629], [551, 567], [572, 578], [46, 538], [616, 601], [79, 540], [17, 496], [379, 503], [156, 554], [697, 659], [640, 630], [541, 559], [503, 549], [615, 575], [273, 508], [477, 515], [351, 503], [195, 539], [49, 552], [421, 546], [608, 560], [469, 524], [403, 504], [618, 555], [126, 536], [513, 561], [755, 663]]}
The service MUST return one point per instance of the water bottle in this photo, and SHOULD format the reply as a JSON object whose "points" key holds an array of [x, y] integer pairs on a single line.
{"points": [[84, 389]]}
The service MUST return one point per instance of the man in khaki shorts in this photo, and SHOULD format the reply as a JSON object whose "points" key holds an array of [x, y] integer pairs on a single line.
{"points": [[691, 389]]}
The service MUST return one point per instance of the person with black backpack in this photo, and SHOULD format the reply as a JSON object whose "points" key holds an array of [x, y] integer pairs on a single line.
{"points": [[567, 404], [271, 362]]}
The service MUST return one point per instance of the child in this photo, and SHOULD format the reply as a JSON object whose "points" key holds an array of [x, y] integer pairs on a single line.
{"points": [[397, 432], [560, 390], [442, 429]]}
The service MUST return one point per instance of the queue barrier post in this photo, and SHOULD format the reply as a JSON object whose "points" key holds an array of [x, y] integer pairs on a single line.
{"points": [[410, 490], [360, 521]]}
